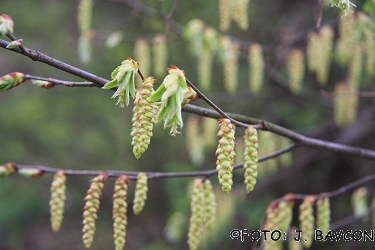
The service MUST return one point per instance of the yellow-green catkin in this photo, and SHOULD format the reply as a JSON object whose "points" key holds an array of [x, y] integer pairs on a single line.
{"points": [[196, 218], [84, 15], [345, 104], [8, 169], [313, 51], [278, 215], [292, 243], [91, 208], [225, 154], [57, 200], [240, 13], [369, 51], [355, 68], [359, 202], [256, 67], [160, 55], [323, 214], [209, 132], [230, 64], [204, 65], [144, 117], [326, 36], [296, 70], [84, 48], [209, 213], [119, 211], [306, 220], [346, 42], [194, 142], [225, 14], [143, 57], [250, 157], [140, 195]]}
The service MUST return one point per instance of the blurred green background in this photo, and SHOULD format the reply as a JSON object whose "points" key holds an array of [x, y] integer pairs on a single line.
{"points": [[81, 128]]}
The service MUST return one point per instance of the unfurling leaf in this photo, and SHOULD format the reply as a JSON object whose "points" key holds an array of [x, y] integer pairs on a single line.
{"points": [[173, 93], [11, 80], [123, 78], [6, 24], [7, 169]]}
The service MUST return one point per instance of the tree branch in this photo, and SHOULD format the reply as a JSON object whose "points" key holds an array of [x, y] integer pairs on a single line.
{"points": [[60, 82]]}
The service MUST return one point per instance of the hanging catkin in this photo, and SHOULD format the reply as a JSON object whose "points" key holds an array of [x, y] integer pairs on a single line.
{"points": [[296, 70], [240, 13], [160, 55], [256, 67], [250, 157], [225, 154], [225, 14], [346, 41], [196, 218], [306, 220], [231, 54], [326, 36], [119, 211], [313, 51], [57, 200], [142, 56]]}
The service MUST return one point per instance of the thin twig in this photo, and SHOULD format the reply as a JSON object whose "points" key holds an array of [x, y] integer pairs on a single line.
{"points": [[358, 94], [60, 82], [153, 175], [170, 16]]}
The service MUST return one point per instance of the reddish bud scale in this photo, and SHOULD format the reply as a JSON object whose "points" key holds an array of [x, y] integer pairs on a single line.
{"points": [[7, 169], [6, 24]]}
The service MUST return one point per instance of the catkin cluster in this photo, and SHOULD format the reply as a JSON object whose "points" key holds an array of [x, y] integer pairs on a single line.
{"points": [[359, 202], [57, 200], [296, 70], [323, 214], [197, 213], [144, 117], [7, 169], [143, 57], [256, 67], [306, 220], [160, 55], [250, 157], [119, 211], [225, 154], [91, 208], [140, 194]]}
